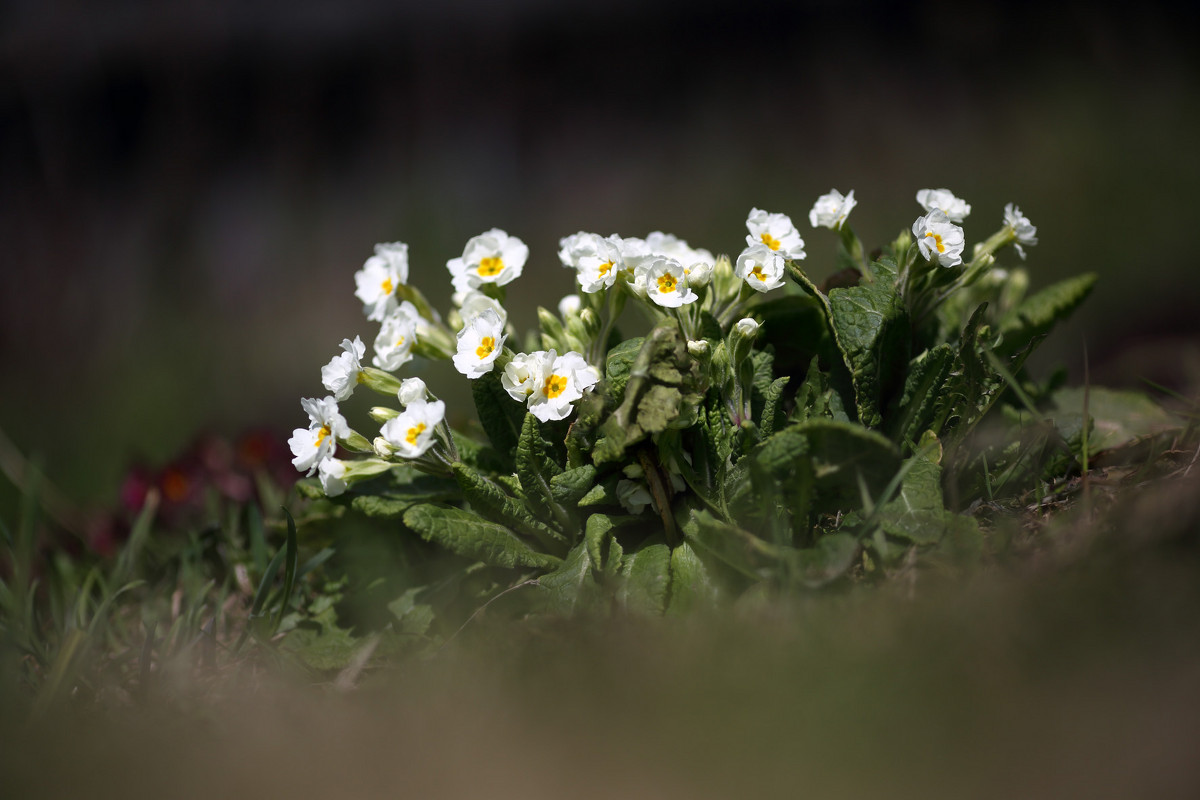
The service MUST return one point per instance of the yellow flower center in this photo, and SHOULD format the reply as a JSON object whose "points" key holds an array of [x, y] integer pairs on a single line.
{"points": [[937, 239], [491, 266], [486, 346], [322, 435], [400, 342], [414, 432], [667, 283], [770, 241], [758, 273], [554, 386], [387, 286], [605, 268]]}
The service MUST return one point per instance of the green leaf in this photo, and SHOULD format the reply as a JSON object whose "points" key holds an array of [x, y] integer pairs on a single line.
{"points": [[619, 363], [661, 385], [918, 513], [571, 586], [500, 415], [467, 534], [772, 415], [846, 458], [486, 496], [568, 488], [730, 545], [691, 587], [1118, 417], [602, 494], [826, 561], [1041, 312], [647, 574], [412, 618], [321, 643], [603, 549], [913, 412], [871, 328], [535, 470]]}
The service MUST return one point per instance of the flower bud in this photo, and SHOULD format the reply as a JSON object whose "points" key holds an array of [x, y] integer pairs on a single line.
{"points": [[384, 448], [698, 348], [741, 338], [379, 381], [382, 414], [571, 304], [699, 274], [411, 389]]}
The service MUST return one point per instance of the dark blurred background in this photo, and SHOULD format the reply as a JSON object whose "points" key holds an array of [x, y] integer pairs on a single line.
{"points": [[187, 188]]}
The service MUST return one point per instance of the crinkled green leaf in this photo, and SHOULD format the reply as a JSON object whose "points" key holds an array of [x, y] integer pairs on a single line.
{"points": [[918, 513], [871, 329], [1118, 417], [1041, 312], [603, 548], [572, 586], [534, 471], [647, 579], [499, 414], [467, 534], [772, 415], [619, 363], [602, 494], [723, 542], [659, 388], [826, 561], [571, 486], [489, 498], [321, 643], [691, 586], [912, 413], [412, 618]]}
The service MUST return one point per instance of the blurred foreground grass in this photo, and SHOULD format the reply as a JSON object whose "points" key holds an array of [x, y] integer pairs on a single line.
{"points": [[1066, 667]]}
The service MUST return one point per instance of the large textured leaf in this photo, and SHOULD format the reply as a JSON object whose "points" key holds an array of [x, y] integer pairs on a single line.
{"points": [[872, 332], [661, 385], [826, 561], [1039, 313], [488, 497], [691, 586], [603, 548], [619, 363], [912, 412], [647, 574], [571, 586], [846, 459], [918, 513], [1118, 417], [571, 486], [534, 471], [467, 534], [500, 415]]}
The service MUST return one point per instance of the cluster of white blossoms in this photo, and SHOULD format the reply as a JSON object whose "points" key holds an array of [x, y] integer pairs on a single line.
{"points": [[664, 273]]}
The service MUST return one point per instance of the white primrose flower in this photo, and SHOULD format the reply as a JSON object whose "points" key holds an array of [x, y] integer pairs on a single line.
{"points": [[525, 373], [411, 390], [491, 257], [564, 382], [319, 441], [776, 231], [397, 335], [340, 375], [473, 302], [761, 267], [569, 305], [1022, 228], [953, 207], [379, 277], [830, 210], [479, 343], [597, 261], [671, 246], [939, 239], [633, 496], [332, 474], [664, 280], [411, 433]]}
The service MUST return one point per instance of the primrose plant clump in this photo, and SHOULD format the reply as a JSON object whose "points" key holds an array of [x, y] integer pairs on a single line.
{"points": [[766, 433]]}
